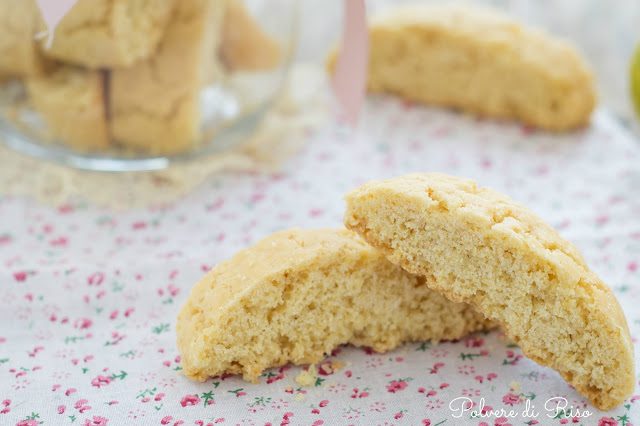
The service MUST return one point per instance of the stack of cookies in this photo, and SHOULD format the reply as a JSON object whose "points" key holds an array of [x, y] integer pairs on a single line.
{"points": [[129, 72], [425, 257]]}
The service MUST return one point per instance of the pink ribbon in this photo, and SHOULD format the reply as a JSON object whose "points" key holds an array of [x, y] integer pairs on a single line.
{"points": [[350, 77], [52, 12]]}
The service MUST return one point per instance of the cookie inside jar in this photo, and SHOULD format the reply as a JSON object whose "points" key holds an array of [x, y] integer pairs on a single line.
{"points": [[140, 78]]}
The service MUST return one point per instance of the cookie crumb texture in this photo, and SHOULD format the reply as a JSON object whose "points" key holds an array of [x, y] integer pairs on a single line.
{"points": [[480, 62], [297, 295], [110, 33], [477, 246], [71, 102]]}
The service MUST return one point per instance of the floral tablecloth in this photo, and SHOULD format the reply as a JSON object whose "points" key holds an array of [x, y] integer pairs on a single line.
{"points": [[89, 297]]}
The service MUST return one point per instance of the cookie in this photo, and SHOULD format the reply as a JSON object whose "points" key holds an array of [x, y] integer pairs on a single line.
{"points": [[110, 33], [155, 104], [297, 295], [481, 62], [20, 22], [245, 45], [72, 104], [477, 246]]}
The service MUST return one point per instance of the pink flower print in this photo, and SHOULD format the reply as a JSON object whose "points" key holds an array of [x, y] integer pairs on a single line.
{"points": [[20, 276], [396, 386], [95, 279], [486, 409], [96, 421], [502, 421], [398, 415], [286, 418], [100, 381], [426, 422], [29, 422], [138, 225], [69, 391], [65, 209], [173, 290], [324, 403], [436, 367], [189, 400], [61, 409], [428, 393], [511, 399], [491, 376], [474, 342], [632, 266], [59, 242], [81, 405], [357, 393], [166, 420], [83, 323], [607, 421]]}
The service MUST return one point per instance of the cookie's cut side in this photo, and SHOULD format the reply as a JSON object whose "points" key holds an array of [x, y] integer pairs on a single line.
{"points": [[477, 246], [297, 295]]}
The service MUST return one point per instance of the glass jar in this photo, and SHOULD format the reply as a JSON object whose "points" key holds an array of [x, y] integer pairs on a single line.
{"points": [[137, 84]]}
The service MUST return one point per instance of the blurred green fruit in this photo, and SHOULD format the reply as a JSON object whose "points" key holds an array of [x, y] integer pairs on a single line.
{"points": [[635, 79]]}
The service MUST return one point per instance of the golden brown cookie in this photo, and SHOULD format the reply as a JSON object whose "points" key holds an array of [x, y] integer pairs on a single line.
{"points": [[477, 246], [245, 45], [71, 101], [155, 104], [297, 295], [481, 62], [110, 33], [20, 22]]}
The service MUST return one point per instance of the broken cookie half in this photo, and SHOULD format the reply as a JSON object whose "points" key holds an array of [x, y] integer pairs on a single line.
{"points": [[297, 295], [477, 246]]}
